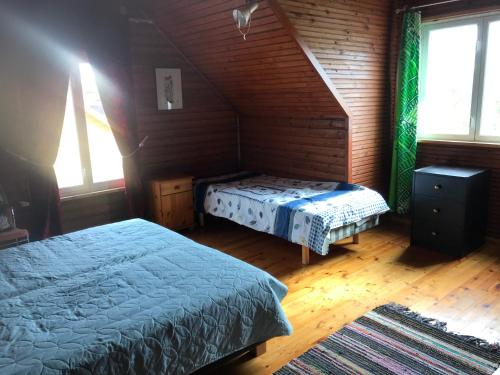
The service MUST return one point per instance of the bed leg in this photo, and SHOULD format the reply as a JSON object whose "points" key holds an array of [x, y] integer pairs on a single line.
{"points": [[201, 219], [305, 255], [355, 239], [258, 349]]}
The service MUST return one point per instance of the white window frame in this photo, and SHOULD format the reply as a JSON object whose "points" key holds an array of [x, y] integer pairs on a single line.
{"points": [[482, 22], [88, 186]]}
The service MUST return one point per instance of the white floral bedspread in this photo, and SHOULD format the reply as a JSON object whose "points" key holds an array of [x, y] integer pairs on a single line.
{"points": [[302, 212]]}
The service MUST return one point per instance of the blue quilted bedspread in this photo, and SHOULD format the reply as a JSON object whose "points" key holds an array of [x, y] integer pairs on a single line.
{"points": [[130, 297]]}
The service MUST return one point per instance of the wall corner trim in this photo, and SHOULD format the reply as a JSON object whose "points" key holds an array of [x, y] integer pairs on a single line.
{"points": [[348, 153]]}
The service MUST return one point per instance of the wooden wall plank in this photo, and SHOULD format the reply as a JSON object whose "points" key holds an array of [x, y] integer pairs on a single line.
{"points": [[271, 82], [291, 147], [201, 138], [351, 41], [251, 73]]}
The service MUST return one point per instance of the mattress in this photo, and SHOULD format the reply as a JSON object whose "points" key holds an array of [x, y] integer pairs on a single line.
{"points": [[130, 298], [352, 229], [302, 212]]}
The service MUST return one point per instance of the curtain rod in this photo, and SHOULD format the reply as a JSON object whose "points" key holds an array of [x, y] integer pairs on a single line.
{"points": [[426, 5]]}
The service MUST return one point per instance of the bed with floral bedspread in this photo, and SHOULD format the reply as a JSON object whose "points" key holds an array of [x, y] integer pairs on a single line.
{"points": [[313, 214]]}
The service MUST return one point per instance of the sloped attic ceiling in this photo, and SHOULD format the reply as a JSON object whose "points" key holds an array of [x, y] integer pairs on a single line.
{"points": [[266, 75]]}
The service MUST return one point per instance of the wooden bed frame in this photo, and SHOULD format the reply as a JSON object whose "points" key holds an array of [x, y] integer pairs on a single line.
{"points": [[305, 250], [259, 349], [251, 352]]}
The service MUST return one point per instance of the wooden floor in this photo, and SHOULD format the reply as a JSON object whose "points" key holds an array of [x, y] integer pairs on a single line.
{"points": [[335, 290]]}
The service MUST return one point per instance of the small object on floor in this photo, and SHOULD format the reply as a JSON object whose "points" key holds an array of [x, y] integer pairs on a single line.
{"points": [[391, 339]]}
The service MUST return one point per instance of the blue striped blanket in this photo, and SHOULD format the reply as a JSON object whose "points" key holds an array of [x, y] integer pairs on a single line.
{"points": [[302, 212]]}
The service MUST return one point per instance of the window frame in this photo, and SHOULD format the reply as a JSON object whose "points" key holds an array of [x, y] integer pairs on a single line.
{"points": [[88, 186], [482, 21]]}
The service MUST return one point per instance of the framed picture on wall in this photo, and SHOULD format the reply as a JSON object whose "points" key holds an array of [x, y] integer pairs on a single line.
{"points": [[168, 88]]}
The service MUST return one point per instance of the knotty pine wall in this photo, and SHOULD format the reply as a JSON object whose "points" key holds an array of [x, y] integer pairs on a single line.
{"points": [[351, 40], [201, 138], [301, 148], [282, 100]]}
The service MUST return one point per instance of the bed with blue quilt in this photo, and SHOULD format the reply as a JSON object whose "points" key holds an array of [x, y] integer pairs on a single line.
{"points": [[130, 298], [313, 214]]}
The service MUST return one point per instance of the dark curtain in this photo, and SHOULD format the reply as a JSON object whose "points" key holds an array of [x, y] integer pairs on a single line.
{"points": [[34, 75], [107, 48]]}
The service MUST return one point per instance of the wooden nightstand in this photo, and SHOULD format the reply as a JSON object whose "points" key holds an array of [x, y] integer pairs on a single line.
{"points": [[171, 201]]}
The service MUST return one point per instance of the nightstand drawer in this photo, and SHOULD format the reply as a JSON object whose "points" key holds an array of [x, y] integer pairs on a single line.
{"points": [[442, 187], [444, 238], [438, 211], [176, 186]]}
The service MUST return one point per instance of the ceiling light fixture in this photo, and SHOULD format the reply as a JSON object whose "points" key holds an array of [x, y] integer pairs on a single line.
{"points": [[243, 17]]}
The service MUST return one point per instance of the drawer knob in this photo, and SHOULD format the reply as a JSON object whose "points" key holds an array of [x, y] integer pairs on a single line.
{"points": [[437, 187], [434, 234], [177, 187], [436, 210]]}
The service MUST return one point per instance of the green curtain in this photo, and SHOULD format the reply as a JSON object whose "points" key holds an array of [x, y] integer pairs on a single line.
{"points": [[405, 134]]}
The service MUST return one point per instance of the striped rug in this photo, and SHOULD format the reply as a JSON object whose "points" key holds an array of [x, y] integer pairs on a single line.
{"points": [[391, 339]]}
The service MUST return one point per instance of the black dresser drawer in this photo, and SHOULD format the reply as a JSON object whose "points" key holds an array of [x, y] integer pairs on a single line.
{"points": [[440, 187], [443, 238], [439, 211], [449, 208]]}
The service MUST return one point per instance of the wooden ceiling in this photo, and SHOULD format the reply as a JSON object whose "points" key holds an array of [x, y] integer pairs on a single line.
{"points": [[269, 74]]}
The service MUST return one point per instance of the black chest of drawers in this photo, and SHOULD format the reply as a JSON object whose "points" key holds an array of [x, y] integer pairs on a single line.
{"points": [[449, 209]]}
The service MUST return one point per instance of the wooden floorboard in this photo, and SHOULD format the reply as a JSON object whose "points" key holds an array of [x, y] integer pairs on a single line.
{"points": [[353, 279]]}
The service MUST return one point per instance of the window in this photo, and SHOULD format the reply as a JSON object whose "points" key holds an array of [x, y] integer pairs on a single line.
{"points": [[88, 159], [460, 80]]}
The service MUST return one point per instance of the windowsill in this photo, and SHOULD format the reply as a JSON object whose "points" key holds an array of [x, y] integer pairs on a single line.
{"points": [[459, 143], [92, 194]]}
